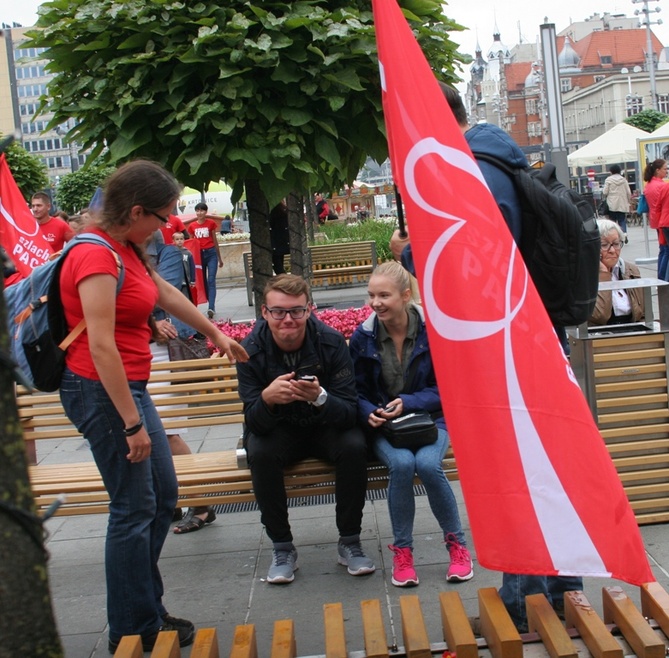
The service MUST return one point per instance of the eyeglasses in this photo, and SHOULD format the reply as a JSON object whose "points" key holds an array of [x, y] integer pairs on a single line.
{"points": [[297, 313], [164, 220], [607, 246]]}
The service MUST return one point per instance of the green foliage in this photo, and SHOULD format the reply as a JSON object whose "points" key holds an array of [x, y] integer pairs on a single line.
{"points": [[76, 190], [377, 230], [28, 170], [287, 94], [647, 120]]}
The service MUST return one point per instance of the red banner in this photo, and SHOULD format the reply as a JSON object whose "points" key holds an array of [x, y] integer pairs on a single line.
{"points": [[19, 231], [541, 491]]}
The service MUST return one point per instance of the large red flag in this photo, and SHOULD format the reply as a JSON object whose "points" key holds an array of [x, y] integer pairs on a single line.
{"points": [[19, 230], [541, 491]]}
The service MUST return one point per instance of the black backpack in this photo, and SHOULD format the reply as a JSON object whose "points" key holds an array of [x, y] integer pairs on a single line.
{"points": [[560, 242]]}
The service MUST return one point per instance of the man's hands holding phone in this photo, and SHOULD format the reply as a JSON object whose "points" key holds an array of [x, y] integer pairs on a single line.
{"points": [[291, 388]]}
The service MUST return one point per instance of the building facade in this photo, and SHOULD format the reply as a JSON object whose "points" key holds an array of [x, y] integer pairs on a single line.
{"points": [[23, 80], [604, 78]]}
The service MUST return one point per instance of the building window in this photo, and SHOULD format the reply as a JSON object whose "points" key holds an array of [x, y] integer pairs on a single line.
{"points": [[663, 103], [565, 84], [605, 59], [531, 106], [634, 105]]}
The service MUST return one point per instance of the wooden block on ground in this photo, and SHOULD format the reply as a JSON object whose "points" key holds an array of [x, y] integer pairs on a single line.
{"points": [[458, 633], [374, 631], [416, 642], [130, 646], [619, 610], [244, 643], [655, 604], [167, 645], [543, 619], [206, 644], [283, 640], [579, 614], [497, 627], [335, 634]]}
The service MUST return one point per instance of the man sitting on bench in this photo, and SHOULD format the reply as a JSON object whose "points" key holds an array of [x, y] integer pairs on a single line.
{"points": [[300, 401]]}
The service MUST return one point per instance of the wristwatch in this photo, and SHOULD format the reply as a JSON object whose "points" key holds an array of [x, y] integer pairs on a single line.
{"points": [[320, 400]]}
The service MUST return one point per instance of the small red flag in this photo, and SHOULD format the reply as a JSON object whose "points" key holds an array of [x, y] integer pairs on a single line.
{"points": [[541, 491], [19, 231], [199, 294]]}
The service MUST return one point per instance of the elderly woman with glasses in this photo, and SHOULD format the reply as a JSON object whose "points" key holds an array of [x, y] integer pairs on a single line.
{"points": [[616, 306]]}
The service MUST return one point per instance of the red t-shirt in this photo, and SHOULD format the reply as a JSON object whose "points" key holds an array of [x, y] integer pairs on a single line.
{"points": [[134, 303], [204, 233], [56, 232], [173, 226]]}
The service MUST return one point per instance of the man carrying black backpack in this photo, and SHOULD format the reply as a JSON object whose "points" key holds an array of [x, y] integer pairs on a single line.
{"points": [[488, 139]]}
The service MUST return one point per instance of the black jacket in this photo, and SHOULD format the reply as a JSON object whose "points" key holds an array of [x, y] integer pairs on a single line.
{"points": [[324, 354]]}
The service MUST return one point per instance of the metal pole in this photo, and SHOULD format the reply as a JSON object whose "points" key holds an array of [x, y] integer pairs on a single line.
{"points": [[649, 45]]}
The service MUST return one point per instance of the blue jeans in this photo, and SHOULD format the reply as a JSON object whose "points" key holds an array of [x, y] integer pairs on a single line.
{"points": [[402, 465], [515, 587], [619, 218], [142, 499], [663, 258], [209, 259]]}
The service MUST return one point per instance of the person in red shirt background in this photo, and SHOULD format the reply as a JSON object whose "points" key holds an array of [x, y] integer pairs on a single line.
{"points": [[174, 225], [322, 208], [55, 231], [204, 231]]}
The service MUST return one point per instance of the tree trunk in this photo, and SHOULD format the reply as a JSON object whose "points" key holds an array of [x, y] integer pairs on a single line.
{"points": [[261, 246], [300, 262], [311, 216], [27, 625]]}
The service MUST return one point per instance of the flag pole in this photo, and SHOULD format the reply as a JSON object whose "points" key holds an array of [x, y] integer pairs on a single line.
{"points": [[400, 213]]}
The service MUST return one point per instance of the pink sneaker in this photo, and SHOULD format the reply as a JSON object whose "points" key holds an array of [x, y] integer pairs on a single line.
{"points": [[404, 575], [461, 567]]}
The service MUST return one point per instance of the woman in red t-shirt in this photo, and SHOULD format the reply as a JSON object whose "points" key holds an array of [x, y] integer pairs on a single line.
{"points": [[204, 231], [103, 391], [656, 192]]}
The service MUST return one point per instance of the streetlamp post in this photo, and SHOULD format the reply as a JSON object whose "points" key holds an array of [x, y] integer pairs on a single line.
{"points": [[649, 43]]}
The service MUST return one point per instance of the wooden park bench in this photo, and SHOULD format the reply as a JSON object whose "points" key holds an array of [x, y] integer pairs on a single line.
{"points": [[623, 630], [201, 393], [339, 264]]}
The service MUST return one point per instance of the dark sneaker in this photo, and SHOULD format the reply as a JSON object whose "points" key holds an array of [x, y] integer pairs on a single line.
{"points": [[284, 563], [184, 628], [210, 314], [352, 556]]}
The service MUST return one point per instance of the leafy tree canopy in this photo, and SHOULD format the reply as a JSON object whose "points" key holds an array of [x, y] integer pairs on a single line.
{"points": [[647, 120], [286, 93], [28, 170], [76, 190]]}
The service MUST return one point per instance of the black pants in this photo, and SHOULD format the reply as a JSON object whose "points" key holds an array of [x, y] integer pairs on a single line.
{"points": [[269, 454]]}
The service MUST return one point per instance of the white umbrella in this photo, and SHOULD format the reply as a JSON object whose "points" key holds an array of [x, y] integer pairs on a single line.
{"points": [[615, 146]]}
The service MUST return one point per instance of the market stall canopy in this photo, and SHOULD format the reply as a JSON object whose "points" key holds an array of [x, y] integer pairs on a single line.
{"points": [[615, 146], [661, 131]]}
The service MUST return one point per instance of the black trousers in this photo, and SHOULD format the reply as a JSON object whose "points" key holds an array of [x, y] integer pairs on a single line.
{"points": [[269, 454]]}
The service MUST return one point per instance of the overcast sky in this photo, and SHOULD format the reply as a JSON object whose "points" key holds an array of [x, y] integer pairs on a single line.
{"points": [[514, 18]]}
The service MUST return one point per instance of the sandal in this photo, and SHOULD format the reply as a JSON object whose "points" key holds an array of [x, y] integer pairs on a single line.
{"points": [[191, 522]]}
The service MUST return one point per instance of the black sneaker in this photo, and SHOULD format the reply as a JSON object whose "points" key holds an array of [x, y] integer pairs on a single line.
{"points": [[184, 628]]}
